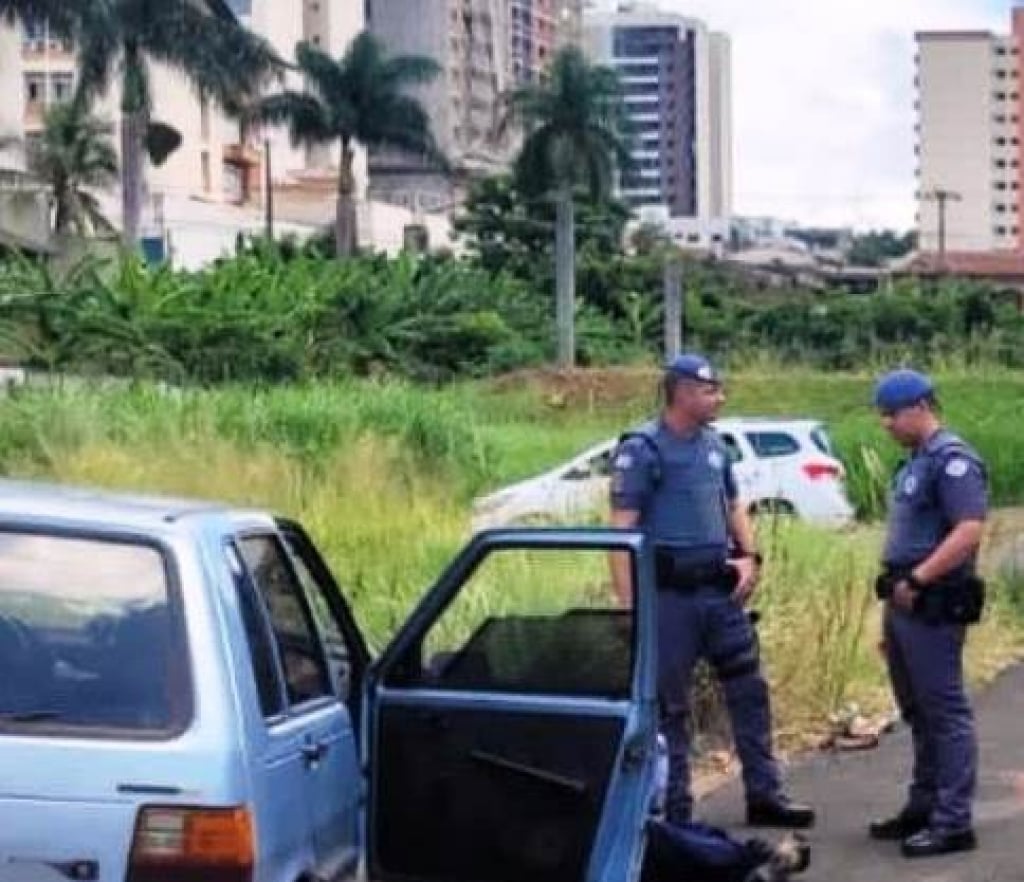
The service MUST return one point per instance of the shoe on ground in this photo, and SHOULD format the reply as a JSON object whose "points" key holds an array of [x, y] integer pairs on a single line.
{"points": [[780, 812], [898, 827], [931, 843]]}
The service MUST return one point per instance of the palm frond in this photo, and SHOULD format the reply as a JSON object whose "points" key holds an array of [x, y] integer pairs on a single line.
{"points": [[305, 116], [220, 57], [161, 140]]}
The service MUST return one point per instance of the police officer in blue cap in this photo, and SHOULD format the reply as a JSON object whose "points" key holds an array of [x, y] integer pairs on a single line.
{"points": [[938, 506], [672, 478]]}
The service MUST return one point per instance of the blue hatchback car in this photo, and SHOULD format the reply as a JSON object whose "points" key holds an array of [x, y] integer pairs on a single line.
{"points": [[185, 695]]}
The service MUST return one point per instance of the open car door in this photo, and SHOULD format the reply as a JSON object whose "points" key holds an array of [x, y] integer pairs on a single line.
{"points": [[510, 726]]}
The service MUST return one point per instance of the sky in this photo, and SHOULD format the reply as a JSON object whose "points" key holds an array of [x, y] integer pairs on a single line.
{"points": [[823, 118]]}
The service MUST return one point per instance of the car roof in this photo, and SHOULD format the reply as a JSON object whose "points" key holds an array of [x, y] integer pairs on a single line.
{"points": [[762, 422], [49, 501]]}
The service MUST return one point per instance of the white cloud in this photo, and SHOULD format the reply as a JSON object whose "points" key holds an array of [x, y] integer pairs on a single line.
{"points": [[823, 100]]}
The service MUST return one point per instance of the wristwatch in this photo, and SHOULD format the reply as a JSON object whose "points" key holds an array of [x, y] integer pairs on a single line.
{"points": [[756, 556], [915, 583]]}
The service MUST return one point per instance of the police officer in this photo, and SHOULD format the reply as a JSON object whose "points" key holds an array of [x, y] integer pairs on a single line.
{"points": [[938, 506], [672, 478]]}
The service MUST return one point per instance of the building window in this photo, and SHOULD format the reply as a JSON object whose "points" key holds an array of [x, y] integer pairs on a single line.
{"points": [[1000, 231], [35, 88], [61, 85]]}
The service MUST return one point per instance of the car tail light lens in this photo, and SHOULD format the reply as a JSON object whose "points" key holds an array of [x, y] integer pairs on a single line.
{"points": [[817, 471], [174, 844]]}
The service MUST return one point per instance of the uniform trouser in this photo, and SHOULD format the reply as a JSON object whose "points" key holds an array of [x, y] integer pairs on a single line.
{"points": [[926, 668], [705, 623]]}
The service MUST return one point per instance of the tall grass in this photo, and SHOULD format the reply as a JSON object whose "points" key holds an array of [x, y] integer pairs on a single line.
{"points": [[382, 475]]}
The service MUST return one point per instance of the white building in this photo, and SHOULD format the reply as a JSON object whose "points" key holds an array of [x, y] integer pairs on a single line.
{"points": [[676, 76], [969, 112], [212, 188]]}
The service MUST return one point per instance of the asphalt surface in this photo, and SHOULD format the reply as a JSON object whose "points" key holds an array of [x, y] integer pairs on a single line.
{"points": [[848, 789]]}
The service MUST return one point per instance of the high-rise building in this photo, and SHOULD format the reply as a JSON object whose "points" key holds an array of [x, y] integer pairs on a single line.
{"points": [[485, 48], [469, 40], [675, 76], [970, 127], [536, 30]]}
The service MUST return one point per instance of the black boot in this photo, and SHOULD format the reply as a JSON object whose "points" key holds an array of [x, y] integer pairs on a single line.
{"points": [[930, 843], [779, 811], [899, 826]]}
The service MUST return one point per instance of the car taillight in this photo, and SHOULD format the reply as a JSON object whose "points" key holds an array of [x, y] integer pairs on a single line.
{"points": [[818, 470], [174, 844]]}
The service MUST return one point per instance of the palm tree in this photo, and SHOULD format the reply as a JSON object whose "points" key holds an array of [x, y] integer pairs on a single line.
{"points": [[361, 99], [222, 59], [75, 154], [60, 14], [575, 125]]}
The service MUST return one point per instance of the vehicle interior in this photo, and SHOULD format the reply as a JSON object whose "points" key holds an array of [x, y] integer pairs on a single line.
{"points": [[500, 775]]}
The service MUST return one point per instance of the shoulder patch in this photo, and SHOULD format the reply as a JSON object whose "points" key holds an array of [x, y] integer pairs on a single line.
{"points": [[624, 460], [716, 459], [957, 467]]}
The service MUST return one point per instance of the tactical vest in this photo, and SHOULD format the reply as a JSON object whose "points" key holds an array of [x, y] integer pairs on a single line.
{"points": [[917, 524], [687, 507]]}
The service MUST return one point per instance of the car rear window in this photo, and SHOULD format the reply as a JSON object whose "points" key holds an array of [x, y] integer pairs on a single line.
{"points": [[822, 441], [89, 636], [769, 444]]}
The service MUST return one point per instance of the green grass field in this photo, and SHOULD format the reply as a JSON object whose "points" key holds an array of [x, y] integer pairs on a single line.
{"points": [[383, 474]]}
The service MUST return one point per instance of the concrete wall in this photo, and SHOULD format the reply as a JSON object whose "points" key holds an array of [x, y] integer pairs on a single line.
{"points": [[720, 124]]}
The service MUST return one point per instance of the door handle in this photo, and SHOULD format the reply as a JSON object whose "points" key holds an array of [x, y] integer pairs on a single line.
{"points": [[313, 752]]}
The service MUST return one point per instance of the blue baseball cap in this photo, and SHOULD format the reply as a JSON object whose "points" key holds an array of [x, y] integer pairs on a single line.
{"points": [[902, 388], [692, 366]]}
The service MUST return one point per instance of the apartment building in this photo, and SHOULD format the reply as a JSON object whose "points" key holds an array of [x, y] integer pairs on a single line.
{"points": [[536, 30], [485, 48], [676, 78], [970, 126]]}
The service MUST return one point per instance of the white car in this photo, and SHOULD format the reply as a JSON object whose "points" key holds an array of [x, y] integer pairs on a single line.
{"points": [[785, 466]]}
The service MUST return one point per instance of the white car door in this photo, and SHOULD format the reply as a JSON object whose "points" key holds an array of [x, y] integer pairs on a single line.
{"points": [[745, 465]]}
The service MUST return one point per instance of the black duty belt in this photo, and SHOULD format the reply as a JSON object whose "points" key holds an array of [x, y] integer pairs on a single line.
{"points": [[675, 573], [956, 600]]}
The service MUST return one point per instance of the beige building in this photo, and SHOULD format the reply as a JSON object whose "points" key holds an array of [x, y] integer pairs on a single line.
{"points": [[212, 188], [484, 48], [969, 134]]}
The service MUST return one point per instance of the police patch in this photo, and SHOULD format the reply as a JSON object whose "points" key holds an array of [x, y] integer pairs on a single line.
{"points": [[957, 468], [910, 484], [715, 459]]}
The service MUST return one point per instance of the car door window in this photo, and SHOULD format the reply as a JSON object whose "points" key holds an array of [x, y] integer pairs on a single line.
{"points": [[269, 687], [732, 447], [601, 465], [305, 670], [530, 622], [340, 657], [772, 444]]}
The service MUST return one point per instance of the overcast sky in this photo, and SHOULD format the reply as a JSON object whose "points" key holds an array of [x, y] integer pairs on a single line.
{"points": [[823, 101]]}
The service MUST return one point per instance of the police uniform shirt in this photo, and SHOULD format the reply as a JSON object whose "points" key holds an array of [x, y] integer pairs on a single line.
{"points": [[681, 486], [942, 484]]}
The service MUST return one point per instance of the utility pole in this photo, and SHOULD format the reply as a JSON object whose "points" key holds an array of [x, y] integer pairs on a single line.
{"points": [[268, 191], [941, 197], [672, 280]]}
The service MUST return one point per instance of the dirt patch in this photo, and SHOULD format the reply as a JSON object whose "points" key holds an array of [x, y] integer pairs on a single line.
{"points": [[586, 388]]}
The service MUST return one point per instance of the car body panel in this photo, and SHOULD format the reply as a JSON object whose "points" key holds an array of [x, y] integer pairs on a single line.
{"points": [[297, 768], [577, 490]]}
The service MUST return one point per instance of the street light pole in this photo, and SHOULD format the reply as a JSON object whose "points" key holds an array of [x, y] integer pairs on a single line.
{"points": [[268, 191], [942, 196]]}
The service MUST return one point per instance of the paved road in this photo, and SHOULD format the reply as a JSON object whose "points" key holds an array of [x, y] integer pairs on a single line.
{"points": [[849, 788]]}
